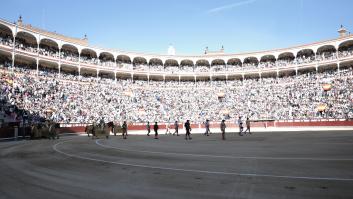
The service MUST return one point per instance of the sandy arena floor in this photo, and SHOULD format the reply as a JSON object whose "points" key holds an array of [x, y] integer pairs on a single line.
{"points": [[262, 165]]}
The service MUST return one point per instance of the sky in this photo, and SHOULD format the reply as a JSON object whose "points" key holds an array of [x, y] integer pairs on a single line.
{"points": [[150, 26]]}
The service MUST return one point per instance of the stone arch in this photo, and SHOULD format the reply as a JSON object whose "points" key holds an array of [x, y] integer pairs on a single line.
{"points": [[48, 45], [27, 39], [186, 62], [155, 62], [234, 62], [251, 60], [326, 49], [288, 56], [202, 62], [171, 62], [139, 60], [305, 52], [123, 59], [345, 46], [106, 57], [6, 32], [218, 62]]}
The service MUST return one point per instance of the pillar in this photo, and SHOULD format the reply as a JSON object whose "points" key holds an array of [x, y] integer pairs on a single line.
{"points": [[14, 48], [13, 61], [79, 59], [59, 67], [59, 60], [13, 53], [37, 66], [38, 48]]}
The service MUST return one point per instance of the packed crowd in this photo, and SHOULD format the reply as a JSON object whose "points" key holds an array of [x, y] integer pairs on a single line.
{"points": [[254, 65], [72, 99]]}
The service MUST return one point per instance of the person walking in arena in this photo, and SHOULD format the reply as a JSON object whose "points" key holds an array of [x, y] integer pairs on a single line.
{"points": [[155, 128], [223, 129], [187, 129], [241, 128], [167, 128], [148, 128], [124, 127], [247, 125], [176, 128], [207, 126]]}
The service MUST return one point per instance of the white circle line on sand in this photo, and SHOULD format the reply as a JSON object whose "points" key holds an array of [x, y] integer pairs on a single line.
{"points": [[225, 156], [55, 148]]}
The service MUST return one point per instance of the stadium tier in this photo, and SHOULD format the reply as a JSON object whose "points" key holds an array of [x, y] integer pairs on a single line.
{"points": [[66, 80]]}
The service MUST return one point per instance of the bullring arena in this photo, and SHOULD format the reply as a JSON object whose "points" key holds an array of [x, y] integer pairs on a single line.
{"points": [[263, 165], [298, 100]]}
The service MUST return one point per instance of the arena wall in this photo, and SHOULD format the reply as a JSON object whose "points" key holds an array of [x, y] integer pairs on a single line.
{"points": [[9, 131]]}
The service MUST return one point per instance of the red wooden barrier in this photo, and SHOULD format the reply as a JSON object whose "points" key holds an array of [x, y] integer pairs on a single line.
{"points": [[6, 132]]}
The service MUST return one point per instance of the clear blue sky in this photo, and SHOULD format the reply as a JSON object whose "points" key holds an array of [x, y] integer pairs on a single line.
{"points": [[190, 25]]}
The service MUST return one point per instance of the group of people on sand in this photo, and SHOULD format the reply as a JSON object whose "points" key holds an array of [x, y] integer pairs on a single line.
{"points": [[187, 126], [223, 127], [188, 129], [176, 129]]}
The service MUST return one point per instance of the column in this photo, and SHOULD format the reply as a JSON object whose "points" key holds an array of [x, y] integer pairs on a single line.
{"points": [[79, 59], [13, 60], [38, 55], [38, 47], [296, 71], [37, 66], [59, 67], [59, 59], [316, 67], [13, 51]]}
